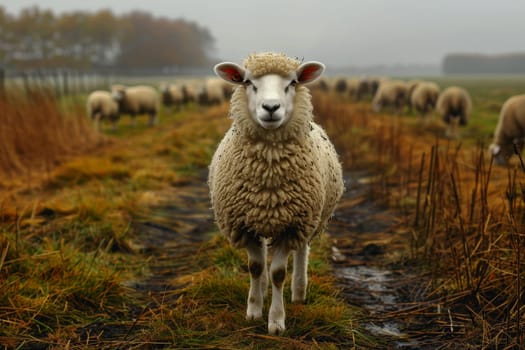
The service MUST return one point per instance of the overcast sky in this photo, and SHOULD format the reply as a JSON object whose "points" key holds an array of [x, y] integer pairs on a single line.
{"points": [[336, 32]]}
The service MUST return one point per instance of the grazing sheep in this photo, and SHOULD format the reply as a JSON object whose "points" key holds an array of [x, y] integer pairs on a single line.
{"points": [[352, 87], [341, 86], [424, 98], [137, 100], [411, 86], [212, 92], [172, 95], [366, 87], [510, 131], [454, 106], [191, 92], [391, 93], [100, 105], [275, 177]]}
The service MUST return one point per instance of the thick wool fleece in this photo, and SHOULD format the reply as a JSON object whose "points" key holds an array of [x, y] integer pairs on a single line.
{"points": [[281, 184], [270, 63], [454, 101], [511, 123]]}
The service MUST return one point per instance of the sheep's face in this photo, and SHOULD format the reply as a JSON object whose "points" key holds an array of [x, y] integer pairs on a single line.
{"points": [[118, 94], [500, 154], [271, 96], [271, 99]]}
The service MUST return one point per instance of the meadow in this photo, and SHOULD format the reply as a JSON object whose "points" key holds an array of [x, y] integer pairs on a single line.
{"points": [[95, 253]]}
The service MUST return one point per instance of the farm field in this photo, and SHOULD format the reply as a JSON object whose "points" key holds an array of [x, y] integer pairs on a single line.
{"points": [[111, 244]]}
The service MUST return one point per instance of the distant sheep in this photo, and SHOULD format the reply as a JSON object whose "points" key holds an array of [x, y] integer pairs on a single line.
{"points": [[341, 86], [454, 106], [390, 94], [101, 106], [137, 100], [424, 98], [411, 86], [510, 130], [275, 177], [212, 92], [172, 95], [191, 92]]}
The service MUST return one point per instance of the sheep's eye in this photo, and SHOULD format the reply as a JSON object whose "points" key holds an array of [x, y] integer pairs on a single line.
{"points": [[292, 83], [249, 83]]}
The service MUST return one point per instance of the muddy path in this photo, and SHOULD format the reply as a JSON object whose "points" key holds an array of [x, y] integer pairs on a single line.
{"points": [[367, 240]]}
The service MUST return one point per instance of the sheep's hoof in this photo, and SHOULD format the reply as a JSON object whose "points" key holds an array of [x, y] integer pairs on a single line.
{"points": [[276, 327], [253, 315]]}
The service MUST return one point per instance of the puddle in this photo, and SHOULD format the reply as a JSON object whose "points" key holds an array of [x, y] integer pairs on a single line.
{"points": [[363, 232]]}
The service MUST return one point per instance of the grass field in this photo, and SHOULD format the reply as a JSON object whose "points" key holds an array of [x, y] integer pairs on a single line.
{"points": [[69, 247]]}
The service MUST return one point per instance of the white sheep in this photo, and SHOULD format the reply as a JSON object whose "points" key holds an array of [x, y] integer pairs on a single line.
{"points": [[391, 93], [212, 92], [454, 106], [510, 130], [100, 105], [172, 95], [275, 177], [411, 86], [137, 100], [424, 97]]}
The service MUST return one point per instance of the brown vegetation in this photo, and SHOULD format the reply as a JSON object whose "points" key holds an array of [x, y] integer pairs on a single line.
{"points": [[36, 133], [466, 220]]}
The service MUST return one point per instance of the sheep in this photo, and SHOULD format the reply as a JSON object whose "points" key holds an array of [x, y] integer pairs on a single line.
{"points": [[136, 100], [275, 177], [510, 130], [100, 105], [366, 87], [424, 98], [212, 92], [391, 93], [454, 106], [172, 95], [341, 85], [411, 86], [191, 92]]}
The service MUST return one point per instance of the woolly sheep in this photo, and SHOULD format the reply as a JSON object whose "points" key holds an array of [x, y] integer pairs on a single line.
{"points": [[510, 130], [411, 86], [136, 100], [100, 105], [275, 177], [454, 106], [191, 92], [391, 93], [172, 95], [366, 87], [424, 98], [212, 92]]}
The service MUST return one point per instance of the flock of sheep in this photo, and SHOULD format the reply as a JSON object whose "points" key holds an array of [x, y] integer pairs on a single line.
{"points": [[453, 105], [146, 100]]}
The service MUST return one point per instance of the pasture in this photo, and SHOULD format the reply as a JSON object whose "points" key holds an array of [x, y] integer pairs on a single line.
{"points": [[107, 240]]}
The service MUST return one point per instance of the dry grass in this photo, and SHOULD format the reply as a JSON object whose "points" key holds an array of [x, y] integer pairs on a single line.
{"points": [[36, 134], [466, 218]]}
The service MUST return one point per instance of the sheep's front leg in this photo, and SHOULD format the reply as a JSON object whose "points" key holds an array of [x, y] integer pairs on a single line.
{"points": [[258, 278], [276, 316], [300, 273]]}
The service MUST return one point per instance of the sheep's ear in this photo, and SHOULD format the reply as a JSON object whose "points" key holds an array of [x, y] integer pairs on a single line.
{"points": [[309, 72], [231, 72]]}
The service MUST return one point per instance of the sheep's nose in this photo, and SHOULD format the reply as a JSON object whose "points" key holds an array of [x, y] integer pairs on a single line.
{"points": [[271, 107]]}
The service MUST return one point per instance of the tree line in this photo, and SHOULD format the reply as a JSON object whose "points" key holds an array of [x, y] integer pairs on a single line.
{"points": [[40, 39], [513, 63]]}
